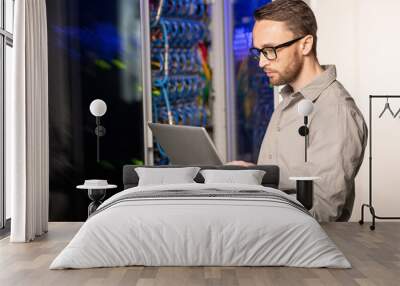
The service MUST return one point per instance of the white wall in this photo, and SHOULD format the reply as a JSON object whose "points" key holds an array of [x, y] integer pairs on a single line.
{"points": [[362, 38]]}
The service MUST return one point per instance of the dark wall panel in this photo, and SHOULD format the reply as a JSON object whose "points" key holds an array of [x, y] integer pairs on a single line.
{"points": [[94, 52]]}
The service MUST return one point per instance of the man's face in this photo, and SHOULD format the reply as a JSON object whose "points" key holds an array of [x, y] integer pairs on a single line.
{"points": [[289, 61]]}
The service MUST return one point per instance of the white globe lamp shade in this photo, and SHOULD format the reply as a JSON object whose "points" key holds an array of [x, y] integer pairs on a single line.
{"points": [[98, 107], [305, 107]]}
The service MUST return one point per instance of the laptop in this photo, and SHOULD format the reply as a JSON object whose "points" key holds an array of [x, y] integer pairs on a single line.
{"points": [[186, 145]]}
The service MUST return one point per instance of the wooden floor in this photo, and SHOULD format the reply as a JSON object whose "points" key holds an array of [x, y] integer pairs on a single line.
{"points": [[375, 257]]}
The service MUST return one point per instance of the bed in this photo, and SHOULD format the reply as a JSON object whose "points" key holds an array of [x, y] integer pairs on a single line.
{"points": [[198, 224]]}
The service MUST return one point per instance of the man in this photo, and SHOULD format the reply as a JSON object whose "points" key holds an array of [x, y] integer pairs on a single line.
{"points": [[285, 40]]}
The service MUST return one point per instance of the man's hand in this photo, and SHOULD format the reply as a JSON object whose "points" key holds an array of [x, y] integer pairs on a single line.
{"points": [[240, 163]]}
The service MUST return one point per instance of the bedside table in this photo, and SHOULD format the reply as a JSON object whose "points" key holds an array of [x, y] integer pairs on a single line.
{"points": [[96, 194], [304, 190]]}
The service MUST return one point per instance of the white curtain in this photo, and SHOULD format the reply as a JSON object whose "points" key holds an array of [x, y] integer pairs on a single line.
{"points": [[27, 124]]}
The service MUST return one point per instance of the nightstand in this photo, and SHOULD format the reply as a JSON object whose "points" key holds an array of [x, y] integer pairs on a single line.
{"points": [[304, 190], [96, 194]]}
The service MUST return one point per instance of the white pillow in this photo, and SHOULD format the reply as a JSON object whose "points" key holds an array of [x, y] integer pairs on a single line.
{"points": [[163, 176], [248, 177]]}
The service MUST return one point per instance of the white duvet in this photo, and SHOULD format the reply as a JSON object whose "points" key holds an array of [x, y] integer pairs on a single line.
{"points": [[200, 231]]}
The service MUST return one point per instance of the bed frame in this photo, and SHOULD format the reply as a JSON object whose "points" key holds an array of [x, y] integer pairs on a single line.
{"points": [[270, 179]]}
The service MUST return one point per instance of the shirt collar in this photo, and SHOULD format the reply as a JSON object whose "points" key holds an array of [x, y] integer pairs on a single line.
{"points": [[314, 89]]}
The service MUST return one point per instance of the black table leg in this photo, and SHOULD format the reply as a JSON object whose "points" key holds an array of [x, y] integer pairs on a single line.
{"points": [[305, 193], [96, 195]]}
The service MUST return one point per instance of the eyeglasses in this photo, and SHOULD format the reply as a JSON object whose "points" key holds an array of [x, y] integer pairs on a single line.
{"points": [[270, 52]]}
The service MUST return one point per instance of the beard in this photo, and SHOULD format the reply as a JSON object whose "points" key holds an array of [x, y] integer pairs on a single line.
{"points": [[289, 74]]}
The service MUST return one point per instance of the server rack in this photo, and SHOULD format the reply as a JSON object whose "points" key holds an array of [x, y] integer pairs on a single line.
{"points": [[177, 80], [190, 73]]}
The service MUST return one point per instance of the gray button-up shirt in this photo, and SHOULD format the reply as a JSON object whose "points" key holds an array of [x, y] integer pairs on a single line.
{"points": [[337, 141]]}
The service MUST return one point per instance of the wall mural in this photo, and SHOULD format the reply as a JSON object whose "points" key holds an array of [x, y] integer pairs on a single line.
{"points": [[94, 53]]}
